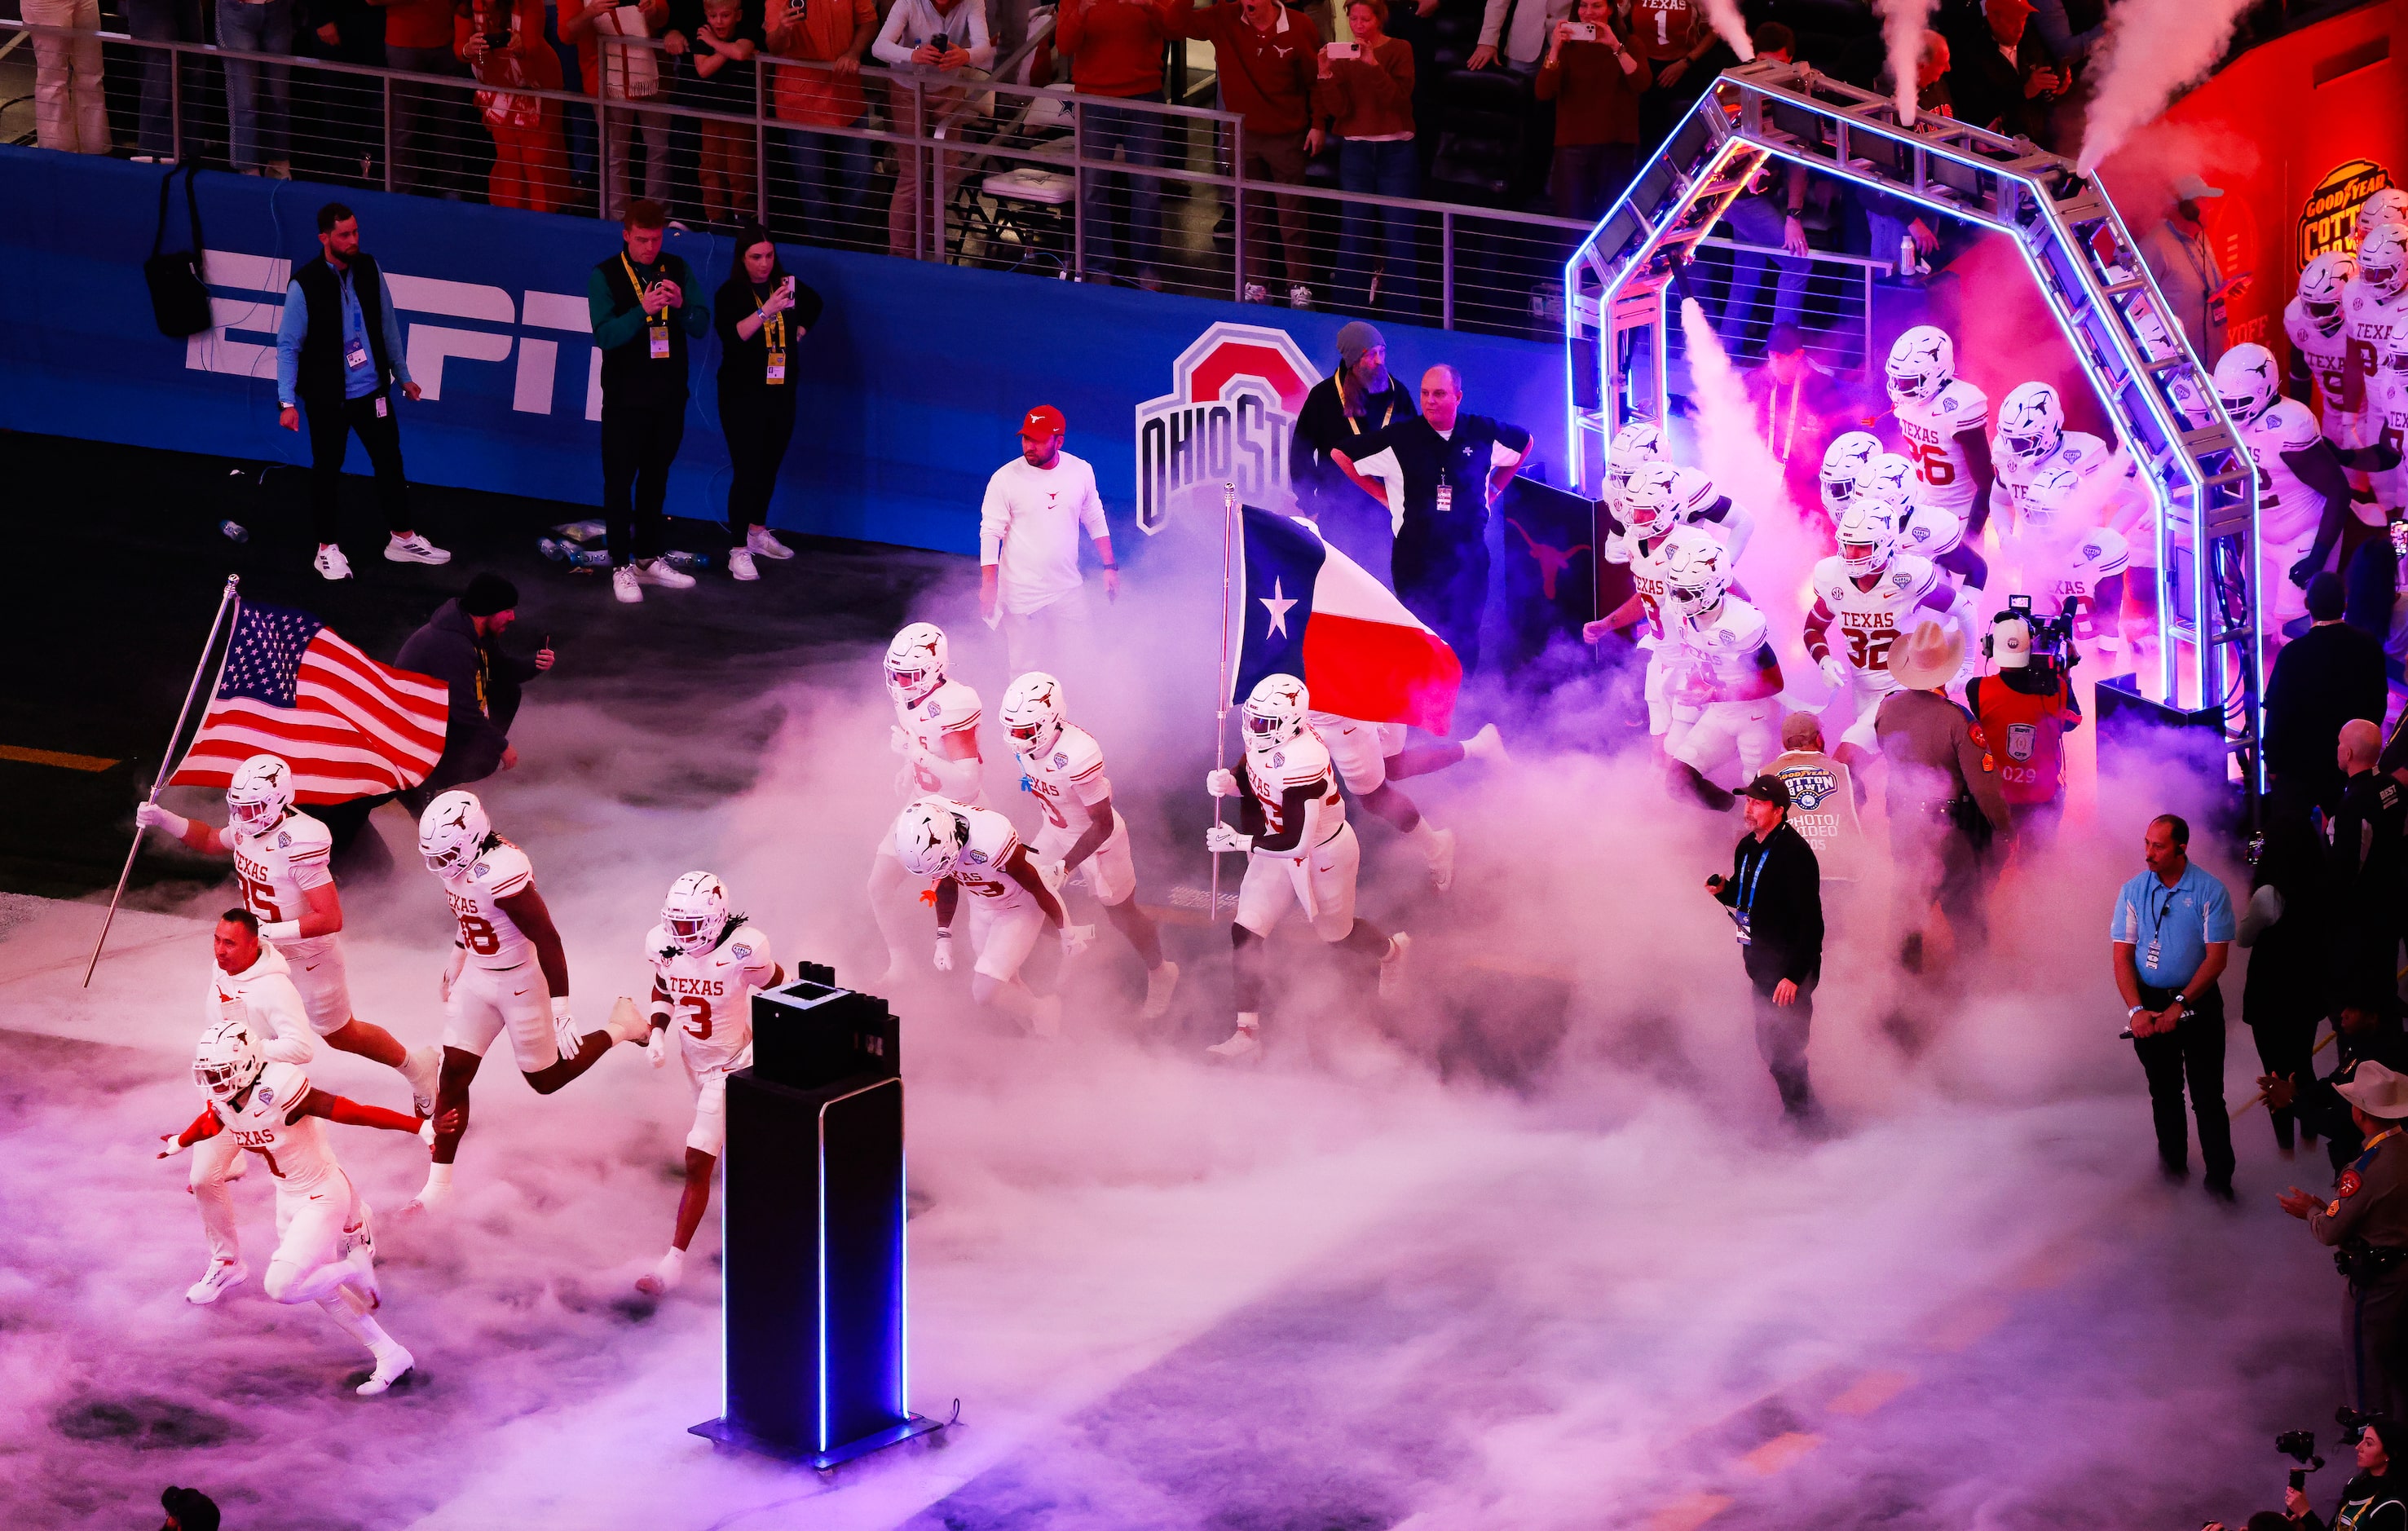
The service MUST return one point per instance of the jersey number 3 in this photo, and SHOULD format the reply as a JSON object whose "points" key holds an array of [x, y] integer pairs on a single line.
{"points": [[697, 1017]]}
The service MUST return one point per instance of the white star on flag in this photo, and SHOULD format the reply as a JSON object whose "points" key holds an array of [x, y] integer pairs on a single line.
{"points": [[1278, 609]]}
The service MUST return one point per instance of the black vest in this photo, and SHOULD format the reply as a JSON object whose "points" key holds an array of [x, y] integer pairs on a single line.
{"points": [[630, 375], [321, 348]]}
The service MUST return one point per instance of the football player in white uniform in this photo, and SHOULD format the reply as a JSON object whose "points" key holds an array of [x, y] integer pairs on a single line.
{"points": [[705, 964], [1372, 758], [1724, 667], [936, 732], [975, 851], [2302, 494], [1944, 420], [2070, 558], [1871, 594], [1300, 850], [1843, 460], [2033, 448], [1652, 504], [325, 1245], [508, 971], [1694, 494], [2375, 307], [279, 864], [1062, 767], [2320, 370]]}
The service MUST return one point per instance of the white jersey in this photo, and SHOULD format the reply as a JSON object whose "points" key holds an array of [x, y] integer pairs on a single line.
{"points": [[711, 996], [2077, 453], [1301, 762], [1865, 622], [2072, 567], [1070, 772], [296, 1150], [493, 939], [1930, 426], [1722, 651], [2385, 420], [1647, 581], [2287, 510], [277, 867], [2367, 321], [951, 711], [2340, 389], [979, 868], [263, 997]]}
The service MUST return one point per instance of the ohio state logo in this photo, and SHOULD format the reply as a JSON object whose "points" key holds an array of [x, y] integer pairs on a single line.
{"points": [[1233, 402]]}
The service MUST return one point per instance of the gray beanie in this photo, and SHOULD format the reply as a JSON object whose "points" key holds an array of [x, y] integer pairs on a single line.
{"points": [[1355, 337]]}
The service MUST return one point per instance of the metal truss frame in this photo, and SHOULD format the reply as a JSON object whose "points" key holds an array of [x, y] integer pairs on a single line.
{"points": [[1618, 310]]}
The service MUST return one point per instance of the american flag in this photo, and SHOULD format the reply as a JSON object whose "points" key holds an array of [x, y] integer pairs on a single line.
{"points": [[349, 726]]}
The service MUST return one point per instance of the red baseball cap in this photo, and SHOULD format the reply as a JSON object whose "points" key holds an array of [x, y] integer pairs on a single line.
{"points": [[1042, 422]]}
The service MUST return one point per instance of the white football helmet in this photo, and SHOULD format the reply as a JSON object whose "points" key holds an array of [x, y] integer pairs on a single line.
{"points": [[260, 793], [2248, 381], [1641, 441], [227, 1062], [2048, 498], [1843, 460], [1694, 576], [2031, 422], [1651, 501], [915, 662], [2388, 205], [1921, 363], [694, 913], [2321, 281], [1275, 712], [929, 837], [1890, 476], [1032, 712], [451, 832], [1868, 534], [2392, 363], [2382, 259]]}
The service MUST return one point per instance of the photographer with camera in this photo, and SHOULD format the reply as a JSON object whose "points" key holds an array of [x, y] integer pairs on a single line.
{"points": [[2373, 1499], [2365, 1224], [2025, 710]]}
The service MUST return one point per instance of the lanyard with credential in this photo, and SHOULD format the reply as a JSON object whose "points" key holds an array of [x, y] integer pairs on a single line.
{"points": [[1388, 416], [1755, 874], [659, 322], [773, 340], [2157, 920]]}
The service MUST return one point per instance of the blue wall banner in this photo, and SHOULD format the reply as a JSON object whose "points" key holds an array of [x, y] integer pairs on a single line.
{"points": [[909, 390]]}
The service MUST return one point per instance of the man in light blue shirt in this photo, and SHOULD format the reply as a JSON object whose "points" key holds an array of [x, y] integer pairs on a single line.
{"points": [[2173, 934], [338, 352]]}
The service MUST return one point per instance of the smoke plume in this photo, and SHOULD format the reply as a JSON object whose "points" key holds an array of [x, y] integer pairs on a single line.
{"points": [[1903, 26], [1731, 27], [2153, 49]]}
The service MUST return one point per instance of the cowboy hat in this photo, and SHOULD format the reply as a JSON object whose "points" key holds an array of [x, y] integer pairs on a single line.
{"points": [[2377, 1091], [1928, 658]]}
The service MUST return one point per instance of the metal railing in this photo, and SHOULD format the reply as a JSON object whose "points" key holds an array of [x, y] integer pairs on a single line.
{"points": [[972, 171]]}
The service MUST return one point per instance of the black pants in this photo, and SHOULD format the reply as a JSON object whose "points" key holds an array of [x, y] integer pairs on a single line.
{"points": [[1450, 592], [759, 422], [1781, 1041], [2285, 1030], [638, 443], [2193, 1051], [2374, 1371], [332, 424]]}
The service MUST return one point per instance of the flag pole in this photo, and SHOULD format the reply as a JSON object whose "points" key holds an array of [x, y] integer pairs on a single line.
{"points": [[226, 603], [1221, 698]]}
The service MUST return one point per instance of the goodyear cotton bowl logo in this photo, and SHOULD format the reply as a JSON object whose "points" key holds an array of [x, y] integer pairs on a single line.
{"points": [[2326, 216], [1807, 789], [1233, 402]]}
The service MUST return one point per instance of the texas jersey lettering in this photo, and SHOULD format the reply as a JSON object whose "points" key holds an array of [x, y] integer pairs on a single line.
{"points": [[295, 1152], [277, 868], [1866, 623], [493, 939], [1072, 772], [710, 995], [1301, 762], [979, 868]]}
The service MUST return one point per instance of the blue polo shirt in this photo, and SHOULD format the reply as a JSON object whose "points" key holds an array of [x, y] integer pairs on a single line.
{"points": [[2170, 928]]}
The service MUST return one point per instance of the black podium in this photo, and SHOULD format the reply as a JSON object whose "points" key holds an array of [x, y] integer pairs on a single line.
{"points": [[811, 1219]]}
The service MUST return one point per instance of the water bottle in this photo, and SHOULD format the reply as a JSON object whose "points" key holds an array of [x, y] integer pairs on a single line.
{"points": [[1910, 260], [679, 558], [552, 548], [234, 531], [587, 558]]}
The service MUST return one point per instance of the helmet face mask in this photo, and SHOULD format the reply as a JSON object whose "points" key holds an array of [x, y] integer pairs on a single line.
{"points": [[1868, 535], [1843, 461], [1922, 363], [227, 1062], [694, 914], [1694, 576], [2245, 380], [1651, 502], [2031, 422], [259, 794], [1032, 713], [929, 837], [915, 662], [2382, 259], [1274, 713], [451, 833], [2321, 284], [2389, 205]]}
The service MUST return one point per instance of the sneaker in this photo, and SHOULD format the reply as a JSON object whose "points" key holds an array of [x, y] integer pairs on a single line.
{"points": [[624, 584], [1488, 745], [664, 1278], [431, 1195], [221, 1278], [1392, 965], [393, 1363], [739, 564], [423, 1067], [1242, 1043], [1441, 859], [331, 563], [1158, 986], [761, 542], [1300, 297], [414, 548], [659, 571], [1046, 1022], [1256, 292]]}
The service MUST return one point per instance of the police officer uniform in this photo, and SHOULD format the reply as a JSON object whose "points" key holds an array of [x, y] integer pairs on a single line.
{"points": [[2366, 1222], [2363, 857], [1945, 803]]}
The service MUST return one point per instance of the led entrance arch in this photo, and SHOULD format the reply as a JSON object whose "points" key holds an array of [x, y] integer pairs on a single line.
{"points": [[1617, 312]]}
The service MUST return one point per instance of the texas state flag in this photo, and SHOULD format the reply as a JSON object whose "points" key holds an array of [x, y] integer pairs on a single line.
{"points": [[1309, 610]]}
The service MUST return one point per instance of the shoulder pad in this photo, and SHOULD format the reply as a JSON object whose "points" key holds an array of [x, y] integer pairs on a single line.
{"points": [[1077, 751], [748, 944], [657, 942], [280, 1086], [307, 836], [501, 866], [1744, 624], [1306, 758]]}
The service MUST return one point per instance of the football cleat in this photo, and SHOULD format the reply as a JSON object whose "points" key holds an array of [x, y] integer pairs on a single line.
{"points": [[393, 1363], [1242, 1043], [1392, 966], [423, 1066], [1441, 859], [1159, 983], [1488, 745], [221, 1278], [663, 1279]]}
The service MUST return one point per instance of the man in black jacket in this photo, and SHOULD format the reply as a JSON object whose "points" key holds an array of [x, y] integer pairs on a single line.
{"points": [[2324, 678], [645, 305], [1775, 898], [2363, 860], [461, 646], [1359, 399]]}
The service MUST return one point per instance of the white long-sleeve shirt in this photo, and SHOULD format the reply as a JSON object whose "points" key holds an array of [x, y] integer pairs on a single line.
{"points": [[263, 994], [912, 22], [1524, 41], [1029, 528]]}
